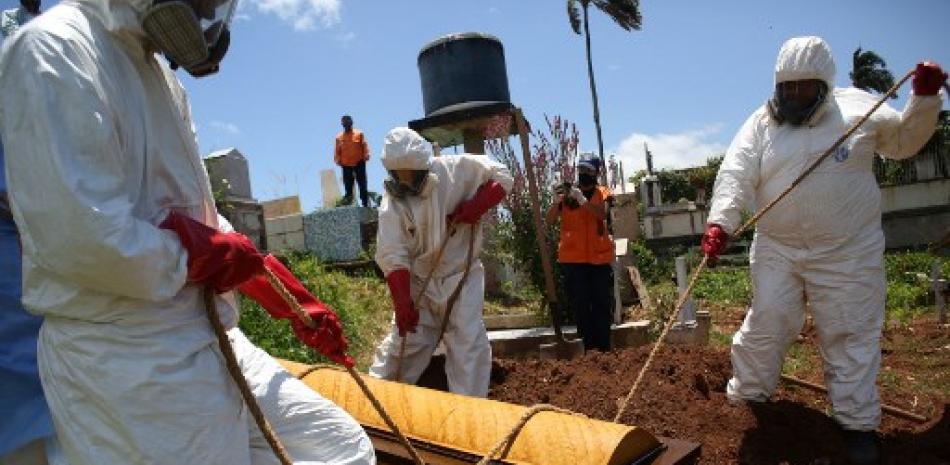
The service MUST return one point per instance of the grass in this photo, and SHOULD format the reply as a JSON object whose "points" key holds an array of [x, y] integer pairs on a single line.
{"points": [[725, 285], [362, 302], [364, 306], [510, 300], [726, 291], [907, 295]]}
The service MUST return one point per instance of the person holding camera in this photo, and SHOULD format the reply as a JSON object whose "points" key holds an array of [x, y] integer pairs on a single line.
{"points": [[586, 251]]}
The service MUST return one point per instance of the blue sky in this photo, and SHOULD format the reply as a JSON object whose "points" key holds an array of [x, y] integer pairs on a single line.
{"points": [[685, 83]]}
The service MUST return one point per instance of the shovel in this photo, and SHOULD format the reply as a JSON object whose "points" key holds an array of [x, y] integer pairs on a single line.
{"points": [[561, 348]]}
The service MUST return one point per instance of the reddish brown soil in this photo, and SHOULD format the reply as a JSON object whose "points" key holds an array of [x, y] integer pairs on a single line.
{"points": [[683, 397]]}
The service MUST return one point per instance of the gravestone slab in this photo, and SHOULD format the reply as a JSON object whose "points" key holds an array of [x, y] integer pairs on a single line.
{"points": [[335, 234]]}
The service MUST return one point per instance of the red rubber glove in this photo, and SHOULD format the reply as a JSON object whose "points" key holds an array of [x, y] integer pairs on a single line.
{"points": [[714, 242], [928, 77], [217, 259], [470, 211], [327, 338], [407, 317]]}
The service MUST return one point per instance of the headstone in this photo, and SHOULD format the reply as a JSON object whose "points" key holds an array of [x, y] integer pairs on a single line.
{"points": [[335, 234], [688, 312], [283, 206], [285, 233], [626, 222], [330, 188], [229, 173], [231, 185]]}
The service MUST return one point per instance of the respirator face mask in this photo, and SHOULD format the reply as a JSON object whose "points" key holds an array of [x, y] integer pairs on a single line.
{"points": [[192, 34], [795, 102], [406, 183]]}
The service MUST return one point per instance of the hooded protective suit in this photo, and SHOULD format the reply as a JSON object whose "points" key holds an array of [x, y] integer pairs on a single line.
{"points": [[99, 149], [411, 229], [823, 243]]}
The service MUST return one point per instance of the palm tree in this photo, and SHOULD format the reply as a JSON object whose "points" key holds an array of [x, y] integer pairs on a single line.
{"points": [[626, 13], [869, 72]]}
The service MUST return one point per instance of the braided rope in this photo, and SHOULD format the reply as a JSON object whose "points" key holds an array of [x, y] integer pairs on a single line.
{"points": [[508, 440]]}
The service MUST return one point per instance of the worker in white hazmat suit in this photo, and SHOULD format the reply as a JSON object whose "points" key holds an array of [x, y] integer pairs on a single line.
{"points": [[426, 199], [117, 223], [823, 243]]}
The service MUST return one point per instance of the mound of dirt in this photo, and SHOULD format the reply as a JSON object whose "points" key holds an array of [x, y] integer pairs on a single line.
{"points": [[683, 396]]}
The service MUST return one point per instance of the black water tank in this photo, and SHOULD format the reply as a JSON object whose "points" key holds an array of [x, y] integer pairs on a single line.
{"points": [[462, 70]]}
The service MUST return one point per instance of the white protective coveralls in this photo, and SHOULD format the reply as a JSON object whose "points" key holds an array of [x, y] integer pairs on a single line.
{"points": [[411, 229], [823, 243], [100, 148]]}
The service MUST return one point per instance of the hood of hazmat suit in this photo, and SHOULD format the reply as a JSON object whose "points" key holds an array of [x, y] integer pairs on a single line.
{"points": [[407, 154], [411, 230], [100, 147], [803, 59], [823, 241]]}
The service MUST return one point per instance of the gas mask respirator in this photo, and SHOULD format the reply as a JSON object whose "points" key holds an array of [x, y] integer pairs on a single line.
{"points": [[784, 108], [192, 34], [407, 183]]}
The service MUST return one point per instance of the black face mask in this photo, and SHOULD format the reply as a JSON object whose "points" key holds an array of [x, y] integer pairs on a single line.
{"points": [[794, 112], [586, 180], [401, 190]]}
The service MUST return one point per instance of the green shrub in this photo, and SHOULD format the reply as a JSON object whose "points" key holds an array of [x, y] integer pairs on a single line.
{"points": [[907, 294], [729, 285], [651, 269]]}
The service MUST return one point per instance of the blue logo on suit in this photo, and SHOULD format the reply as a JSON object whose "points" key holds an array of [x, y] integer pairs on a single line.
{"points": [[841, 154]]}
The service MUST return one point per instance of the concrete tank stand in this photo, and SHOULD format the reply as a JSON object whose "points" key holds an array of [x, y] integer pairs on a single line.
{"points": [[693, 325]]}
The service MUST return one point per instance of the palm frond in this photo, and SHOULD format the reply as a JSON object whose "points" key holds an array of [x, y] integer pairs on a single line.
{"points": [[626, 13], [574, 14], [869, 72]]}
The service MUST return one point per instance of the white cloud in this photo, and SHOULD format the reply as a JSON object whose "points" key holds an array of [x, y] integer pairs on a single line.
{"points": [[229, 128], [493, 10], [614, 67], [683, 149], [303, 15]]}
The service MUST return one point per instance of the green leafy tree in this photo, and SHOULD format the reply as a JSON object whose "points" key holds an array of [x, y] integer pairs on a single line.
{"points": [[869, 72], [626, 13], [683, 183]]}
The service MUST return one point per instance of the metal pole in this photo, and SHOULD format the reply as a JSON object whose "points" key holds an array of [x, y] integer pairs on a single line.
{"points": [[940, 288]]}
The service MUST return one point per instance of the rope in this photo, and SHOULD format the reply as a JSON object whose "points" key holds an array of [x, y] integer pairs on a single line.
{"points": [[238, 376], [748, 224], [302, 314], [449, 304], [422, 290], [458, 288], [659, 342], [508, 440], [315, 367]]}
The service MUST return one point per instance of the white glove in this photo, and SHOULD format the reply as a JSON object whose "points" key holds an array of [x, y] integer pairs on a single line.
{"points": [[577, 195]]}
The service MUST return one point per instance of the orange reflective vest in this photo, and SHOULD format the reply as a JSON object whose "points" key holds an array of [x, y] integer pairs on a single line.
{"points": [[350, 149], [584, 237]]}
